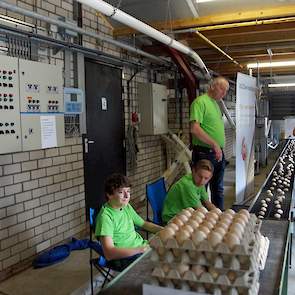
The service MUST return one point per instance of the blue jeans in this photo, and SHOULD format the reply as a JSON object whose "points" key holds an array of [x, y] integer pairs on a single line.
{"points": [[216, 182]]}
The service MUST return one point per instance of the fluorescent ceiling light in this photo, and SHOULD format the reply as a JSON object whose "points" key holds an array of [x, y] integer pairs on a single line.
{"points": [[273, 64], [281, 85], [203, 1]]}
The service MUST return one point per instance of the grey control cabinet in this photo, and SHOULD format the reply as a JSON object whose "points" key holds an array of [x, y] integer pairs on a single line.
{"points": [[152, 100]]}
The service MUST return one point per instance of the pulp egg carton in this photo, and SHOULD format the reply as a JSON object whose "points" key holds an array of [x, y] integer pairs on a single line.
{"points": [[246, 247], [220, 263], [247, 283]]}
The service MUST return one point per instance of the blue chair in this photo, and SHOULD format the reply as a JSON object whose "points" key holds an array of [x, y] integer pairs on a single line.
{"points": [[156, 194]]}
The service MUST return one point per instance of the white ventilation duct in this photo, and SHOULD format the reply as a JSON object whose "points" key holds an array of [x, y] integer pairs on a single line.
{"points": [[140, 26]]}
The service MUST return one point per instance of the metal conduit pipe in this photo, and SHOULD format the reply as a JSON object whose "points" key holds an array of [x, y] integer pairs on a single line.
{"points": [[102, 56], [74, 28], [140, 26]]}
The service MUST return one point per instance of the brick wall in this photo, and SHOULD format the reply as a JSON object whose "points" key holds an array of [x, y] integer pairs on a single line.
{"points": [[42, 200]]}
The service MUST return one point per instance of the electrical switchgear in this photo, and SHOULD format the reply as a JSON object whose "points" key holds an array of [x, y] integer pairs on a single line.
{"points": [[31, 105], [10, 135], [41, 94]]}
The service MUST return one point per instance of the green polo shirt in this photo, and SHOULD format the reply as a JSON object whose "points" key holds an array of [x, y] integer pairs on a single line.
{"points": [[183, 194], [205, 110], [119, 224]]}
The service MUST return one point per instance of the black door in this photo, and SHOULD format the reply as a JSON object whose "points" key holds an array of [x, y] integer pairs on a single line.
{"points": [[104, 151]]}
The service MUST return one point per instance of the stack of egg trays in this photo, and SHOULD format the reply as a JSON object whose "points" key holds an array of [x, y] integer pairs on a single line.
{"points": [[242, 260]]}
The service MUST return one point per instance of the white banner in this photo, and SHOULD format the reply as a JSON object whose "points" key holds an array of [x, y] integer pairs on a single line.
{"points": [[245, 135]]}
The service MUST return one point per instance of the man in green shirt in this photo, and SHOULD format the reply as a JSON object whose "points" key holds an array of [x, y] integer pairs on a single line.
{"points": [[208, 135], [189, 191], [115, 224]]}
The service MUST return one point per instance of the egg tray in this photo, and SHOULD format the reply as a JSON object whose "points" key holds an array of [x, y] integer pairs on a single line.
{"points": [[247, 247], [202, 288], [224, 263], [285, 205], [247, 281]]}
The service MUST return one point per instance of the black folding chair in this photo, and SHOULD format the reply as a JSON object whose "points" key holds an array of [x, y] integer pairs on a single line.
{"points": [[100, 262]]}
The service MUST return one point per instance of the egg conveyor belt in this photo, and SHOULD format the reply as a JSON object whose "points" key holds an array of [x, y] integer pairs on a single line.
{"points": [[276, 195]]}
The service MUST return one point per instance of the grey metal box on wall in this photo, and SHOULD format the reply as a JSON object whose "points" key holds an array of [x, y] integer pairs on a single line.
{"points": [[152, 100]]}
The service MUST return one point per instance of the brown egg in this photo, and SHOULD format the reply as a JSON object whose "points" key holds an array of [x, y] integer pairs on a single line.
{"points": [[217, 211], [212, 215], [237, 227], [197, 218], [193, 223], [204, 229], [198, 270], [211, 220], [173, 226], [200, 214], [240, 221], [198, 236], [183, 218], [182, 236], [186, 212], [226, 216], [245, 212], [230, 211], [235, 231], [225, 220], [188, 228], [222, 224], [166, 233], [241, 216], [202, 209], [191, 210], [231, 240], [177, 221], [208, 224], [166, 267], [182, 268], [232, 276], [220, 230], [214, 238]]}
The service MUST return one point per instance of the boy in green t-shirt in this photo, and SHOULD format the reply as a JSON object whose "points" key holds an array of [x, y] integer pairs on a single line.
{"points": [[115, 224], [189, 191]]}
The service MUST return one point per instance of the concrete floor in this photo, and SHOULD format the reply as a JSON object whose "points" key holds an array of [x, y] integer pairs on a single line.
{"points": [[71, 277]]}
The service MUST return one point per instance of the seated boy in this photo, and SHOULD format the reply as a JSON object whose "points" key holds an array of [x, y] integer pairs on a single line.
{"points": [[189, 191], [115, 224]]}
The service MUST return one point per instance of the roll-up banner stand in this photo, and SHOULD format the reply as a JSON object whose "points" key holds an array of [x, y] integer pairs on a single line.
{"points": [[245, 136]]}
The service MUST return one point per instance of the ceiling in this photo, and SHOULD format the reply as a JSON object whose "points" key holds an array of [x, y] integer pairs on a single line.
{"points": [[248, 31]]}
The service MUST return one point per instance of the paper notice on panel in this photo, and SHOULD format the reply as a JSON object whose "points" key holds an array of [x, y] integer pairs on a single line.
{"points": [[48, 131]]}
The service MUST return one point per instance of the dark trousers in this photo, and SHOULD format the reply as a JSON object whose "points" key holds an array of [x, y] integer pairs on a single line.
{"points": [[216, 182], [121, 264]]}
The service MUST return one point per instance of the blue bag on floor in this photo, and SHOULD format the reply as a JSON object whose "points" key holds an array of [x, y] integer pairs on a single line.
{"points": [[55, 255]]}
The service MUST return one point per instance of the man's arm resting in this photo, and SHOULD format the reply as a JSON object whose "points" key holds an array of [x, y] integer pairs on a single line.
{"points": [[111, 252]]}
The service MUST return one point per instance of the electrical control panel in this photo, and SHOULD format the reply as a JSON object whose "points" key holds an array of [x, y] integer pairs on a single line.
{"points": [[73, 100], [31, 105], [10, 135], [152, 100], [41, 94]]}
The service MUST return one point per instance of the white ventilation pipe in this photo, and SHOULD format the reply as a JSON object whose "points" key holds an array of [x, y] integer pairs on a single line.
{"points": [[79, 30], [140, 26]]}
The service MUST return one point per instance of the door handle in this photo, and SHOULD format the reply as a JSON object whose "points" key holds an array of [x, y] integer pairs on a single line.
{"points": [[86, 142]]}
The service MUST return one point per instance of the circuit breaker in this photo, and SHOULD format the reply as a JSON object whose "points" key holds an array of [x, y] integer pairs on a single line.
{"points": [[41, 104], [152, 99], [10, 134]]}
